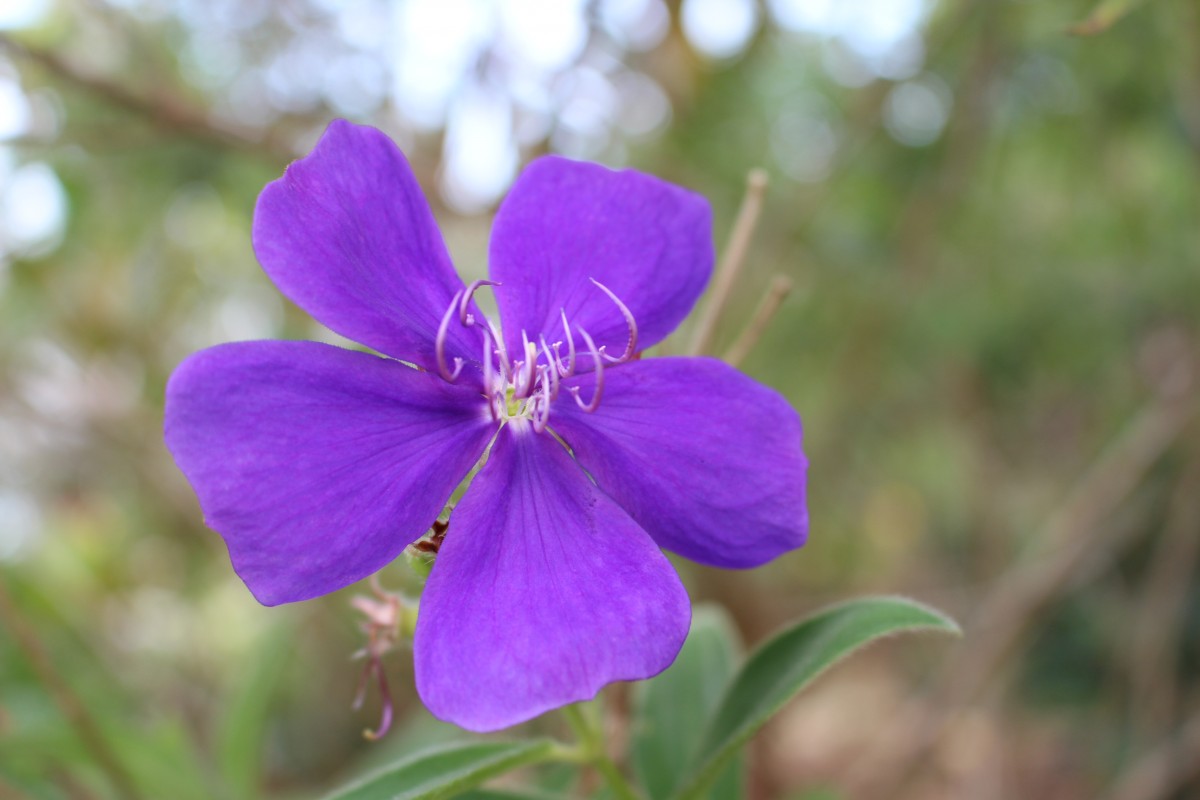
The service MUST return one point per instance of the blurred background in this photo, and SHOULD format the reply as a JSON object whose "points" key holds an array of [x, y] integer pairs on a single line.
{"points": [[988, 212]]}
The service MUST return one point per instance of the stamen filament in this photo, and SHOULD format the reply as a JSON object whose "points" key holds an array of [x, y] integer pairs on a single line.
{"points": [[440, 343], [569, 369], [526, 388], [541, 407], [469, 319], [501, 352], [597, 357], [527, 378], [489, 375], [631, 345], [551, 368]]}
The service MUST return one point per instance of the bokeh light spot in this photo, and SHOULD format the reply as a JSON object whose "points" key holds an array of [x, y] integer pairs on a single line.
{"points": [[22, 13], [916, 111], [33, 208], [719, 28]]}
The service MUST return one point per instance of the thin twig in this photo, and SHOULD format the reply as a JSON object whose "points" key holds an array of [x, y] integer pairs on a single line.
{"points": [[164, 113], [731, 261], [1072, 537], [1160, 617], [68, 702], [1009, 608], [781, 286], [1161, 772]]}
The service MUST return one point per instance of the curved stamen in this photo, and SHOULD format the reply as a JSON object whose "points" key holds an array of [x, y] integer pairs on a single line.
{"points": [[551, 368], [469, 319], [541, 406], [597, 357], [489, 375], [527, 378], [514, 382], [488, 368], [440, 343], [501, 351], [568, 370], [526, 387], [631, 345]]}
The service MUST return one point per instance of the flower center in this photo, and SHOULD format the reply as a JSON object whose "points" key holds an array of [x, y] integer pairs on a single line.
{"points": [[513, 405], [524, 385]]}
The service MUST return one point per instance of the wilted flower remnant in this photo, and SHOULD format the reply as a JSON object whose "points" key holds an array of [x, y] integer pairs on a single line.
{"points": [[319, 465], [385, 618]]}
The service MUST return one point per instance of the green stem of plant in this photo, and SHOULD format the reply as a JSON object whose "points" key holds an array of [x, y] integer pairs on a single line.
{"points": [[591, 740]]}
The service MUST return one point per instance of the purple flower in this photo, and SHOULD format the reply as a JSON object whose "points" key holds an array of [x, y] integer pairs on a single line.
{"points": [[319, 465]]}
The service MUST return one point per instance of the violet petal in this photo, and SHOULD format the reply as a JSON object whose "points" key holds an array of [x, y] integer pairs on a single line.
{"points": [[705, 459], [348, 236], [565, 222], [543, 592], [317, 465]]}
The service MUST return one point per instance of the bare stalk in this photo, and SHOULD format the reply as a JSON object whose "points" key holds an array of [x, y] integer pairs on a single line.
{"points": [[1160, 620], [781, 286], [164, 113], [732, 261], [1164, 770]]}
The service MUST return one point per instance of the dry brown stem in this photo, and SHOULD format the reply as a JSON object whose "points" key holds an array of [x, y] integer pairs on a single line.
{"points": [[1160, 617], [163, 112], [732, 261], [781, 286], [1164, 770]]}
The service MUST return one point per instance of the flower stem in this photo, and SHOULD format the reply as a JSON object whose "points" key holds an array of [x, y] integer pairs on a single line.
{"points": [[591, 741]]}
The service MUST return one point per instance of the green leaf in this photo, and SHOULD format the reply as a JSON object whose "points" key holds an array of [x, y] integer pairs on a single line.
{"points": [[785, 664], [510, 794], [447, 770], [555, 777], [671, 709]]}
